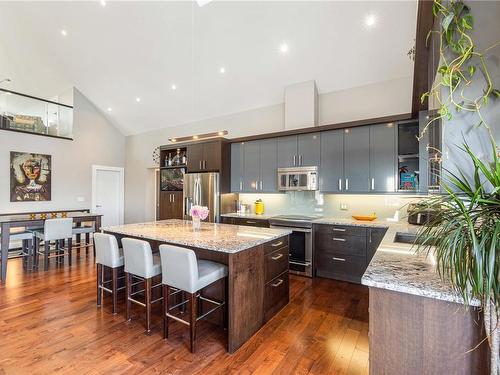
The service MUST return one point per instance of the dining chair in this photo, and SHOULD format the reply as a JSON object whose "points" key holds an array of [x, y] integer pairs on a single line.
{"points": [[54, 230]]}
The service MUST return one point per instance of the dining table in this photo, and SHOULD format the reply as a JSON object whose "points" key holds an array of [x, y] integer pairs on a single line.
{"points": [[36, 220]]}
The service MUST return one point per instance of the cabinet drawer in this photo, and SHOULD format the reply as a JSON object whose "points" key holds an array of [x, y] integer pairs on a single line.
{"points": [[334, 243], [346, 230], [341, 267], [251, 222], [276, 244], [276, 295], [276, 263]]}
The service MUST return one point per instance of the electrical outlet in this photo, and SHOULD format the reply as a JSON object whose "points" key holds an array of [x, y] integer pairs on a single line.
{"points": [[80, 199], [343, 206]]}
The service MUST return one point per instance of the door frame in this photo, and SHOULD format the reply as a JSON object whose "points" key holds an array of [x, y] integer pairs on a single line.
{"points": [[121, 188]]}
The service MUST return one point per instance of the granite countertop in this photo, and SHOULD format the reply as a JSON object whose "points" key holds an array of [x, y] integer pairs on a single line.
{"points": [[397, 267], [217, 237]]}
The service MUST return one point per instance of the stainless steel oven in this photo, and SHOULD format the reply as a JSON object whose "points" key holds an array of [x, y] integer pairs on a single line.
{"points": [[300, 242], [298, 178]]}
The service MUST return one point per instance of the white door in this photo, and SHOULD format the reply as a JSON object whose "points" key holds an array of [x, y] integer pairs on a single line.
{"points": [[107, 194]]}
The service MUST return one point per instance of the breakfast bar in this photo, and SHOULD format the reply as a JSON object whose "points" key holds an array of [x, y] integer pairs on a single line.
{"points": [[257, 260]]}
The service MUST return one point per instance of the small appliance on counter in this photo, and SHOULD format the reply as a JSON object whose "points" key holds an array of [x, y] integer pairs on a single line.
{"points": [[418, 215], [259, 207]]}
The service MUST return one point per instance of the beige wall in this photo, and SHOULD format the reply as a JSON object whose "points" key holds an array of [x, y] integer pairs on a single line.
{"points": [[96, 141], [382, 99]]}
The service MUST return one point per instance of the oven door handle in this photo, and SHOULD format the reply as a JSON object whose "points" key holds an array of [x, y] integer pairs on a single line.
{"points": [[305, 264], [293, 229]]}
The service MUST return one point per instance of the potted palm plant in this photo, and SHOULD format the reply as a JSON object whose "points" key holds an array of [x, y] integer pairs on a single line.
{"points": [[465, 234]]}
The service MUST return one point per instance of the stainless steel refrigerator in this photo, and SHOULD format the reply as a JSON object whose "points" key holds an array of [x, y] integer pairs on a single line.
{"points": [[202, 189]]}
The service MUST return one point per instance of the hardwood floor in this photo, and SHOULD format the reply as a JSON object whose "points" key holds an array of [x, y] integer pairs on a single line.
{"points": [[49, 323]]}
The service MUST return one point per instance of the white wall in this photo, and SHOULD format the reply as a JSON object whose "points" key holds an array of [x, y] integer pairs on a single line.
{"points": [[96, 141], [381, 99]]}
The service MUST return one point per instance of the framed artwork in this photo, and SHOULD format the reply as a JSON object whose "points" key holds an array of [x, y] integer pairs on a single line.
{"points": [[30, 177]]}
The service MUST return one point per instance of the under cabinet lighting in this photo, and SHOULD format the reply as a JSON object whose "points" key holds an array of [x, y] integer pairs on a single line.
{"points": [[198, 137], [64, 32]]}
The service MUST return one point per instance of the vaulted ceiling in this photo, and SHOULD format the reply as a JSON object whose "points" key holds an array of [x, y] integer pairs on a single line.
{"points": [[126, 56]]}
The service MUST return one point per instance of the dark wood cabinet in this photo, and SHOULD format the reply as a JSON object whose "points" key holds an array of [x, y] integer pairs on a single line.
{"points": [[251, 222], [205, 157], [276, 295], [343, 252], [211, 156], [170, 205]]}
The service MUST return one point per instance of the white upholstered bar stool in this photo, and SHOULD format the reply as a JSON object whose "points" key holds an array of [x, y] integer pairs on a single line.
{"points": [[87, 230], [181, 270], [57, 230], [140, 263], [108, 255]]}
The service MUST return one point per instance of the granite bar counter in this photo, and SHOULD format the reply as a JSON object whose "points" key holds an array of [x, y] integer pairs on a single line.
{"points": [[257, 259]]}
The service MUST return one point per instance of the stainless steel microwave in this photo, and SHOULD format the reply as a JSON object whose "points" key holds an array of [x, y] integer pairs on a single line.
{"points": [[298, 178]]}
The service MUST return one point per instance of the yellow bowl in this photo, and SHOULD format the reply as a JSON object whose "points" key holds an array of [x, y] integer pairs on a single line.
{"points": [[365, 217]]}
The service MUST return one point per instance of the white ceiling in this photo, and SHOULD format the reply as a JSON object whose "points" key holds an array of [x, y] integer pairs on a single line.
{"points": [[125, 50]]}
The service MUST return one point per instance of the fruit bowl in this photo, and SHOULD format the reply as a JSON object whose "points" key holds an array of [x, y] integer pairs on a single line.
{"points": [[365, 217]]}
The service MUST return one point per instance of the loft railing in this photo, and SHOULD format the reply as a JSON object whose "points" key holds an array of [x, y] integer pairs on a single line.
{"points": [[29, 114]]}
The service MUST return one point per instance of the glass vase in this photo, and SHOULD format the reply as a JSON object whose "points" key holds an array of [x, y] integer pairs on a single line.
{"points": [[196, 223]]}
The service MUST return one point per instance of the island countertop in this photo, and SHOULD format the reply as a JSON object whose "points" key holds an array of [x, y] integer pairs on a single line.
{"points": [[211, 236]]}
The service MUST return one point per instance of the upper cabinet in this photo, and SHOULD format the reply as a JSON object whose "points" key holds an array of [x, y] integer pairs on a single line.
{"points": [[299, 151], [383, 158], [204, 157], [331, 173], [211, 156], [357, 159], [253, 168]]}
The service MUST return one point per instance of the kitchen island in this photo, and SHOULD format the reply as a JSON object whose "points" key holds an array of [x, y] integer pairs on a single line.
{"points": [[257, 260], [418, 322]]}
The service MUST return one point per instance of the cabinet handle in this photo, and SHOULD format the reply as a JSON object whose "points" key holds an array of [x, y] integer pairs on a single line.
{"points": [[250, 222], [260, 185], [369, 235], [347, 184], [241, 185], [276, 257], [170, 198], [300, 160], [278, 283], [339, 239], [277, 244], [339, 229], [339, 259], [294, 160], [340, 184], [200, 164], [173, 198], [373, 183]]}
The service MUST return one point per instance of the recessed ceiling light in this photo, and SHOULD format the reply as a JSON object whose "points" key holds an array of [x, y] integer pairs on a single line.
{"points": [[64, 32], [137, 99], [370, 20], [109, 109], [195, 137], [173, 87], [203, 2], [222, 70], [103, 3], [283, 47], [220, 133]]}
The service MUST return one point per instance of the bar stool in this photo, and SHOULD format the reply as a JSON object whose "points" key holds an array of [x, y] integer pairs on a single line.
{"points": [[140, 263], [54, 230], [108, 255], [181, 270]]}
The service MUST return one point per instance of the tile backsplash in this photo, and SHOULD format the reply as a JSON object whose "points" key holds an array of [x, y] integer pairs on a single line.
{"points": [[337, 205]]}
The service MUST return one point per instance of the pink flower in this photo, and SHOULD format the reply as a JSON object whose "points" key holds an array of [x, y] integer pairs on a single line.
{"points": [[200, 212]]}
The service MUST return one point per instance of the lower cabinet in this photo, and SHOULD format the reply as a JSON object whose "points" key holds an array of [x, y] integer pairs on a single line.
{"points": [[170, 205], [276, 291], [343, 252]]}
